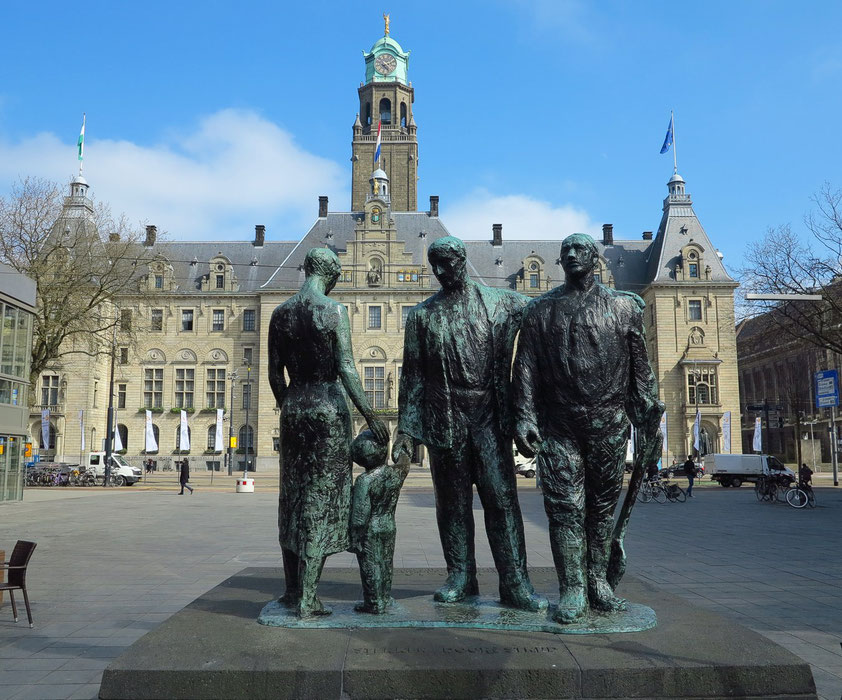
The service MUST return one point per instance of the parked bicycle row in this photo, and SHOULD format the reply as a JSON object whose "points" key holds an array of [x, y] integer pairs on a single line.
{"points": [[660, 490], [777, 489], [62, 475]]}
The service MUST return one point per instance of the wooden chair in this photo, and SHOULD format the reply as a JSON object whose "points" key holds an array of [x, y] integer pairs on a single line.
{"points": [[16, 566]]}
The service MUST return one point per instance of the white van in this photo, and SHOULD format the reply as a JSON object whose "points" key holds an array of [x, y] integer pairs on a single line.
{"points": [[733, 470], [96, 463]]}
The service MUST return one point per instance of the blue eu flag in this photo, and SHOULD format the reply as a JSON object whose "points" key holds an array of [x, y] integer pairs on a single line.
{"points": [[667, 138]]}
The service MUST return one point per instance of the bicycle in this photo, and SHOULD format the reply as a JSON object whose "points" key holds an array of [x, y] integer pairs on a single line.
{"points": [[801, 495], [674, 493]]}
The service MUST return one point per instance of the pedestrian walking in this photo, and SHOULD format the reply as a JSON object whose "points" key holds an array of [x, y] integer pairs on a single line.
{"points": [[690, 472], [184, 477]]}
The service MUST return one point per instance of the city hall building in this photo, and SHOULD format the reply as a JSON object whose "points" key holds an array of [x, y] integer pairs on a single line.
{"points": [[205, 307]]}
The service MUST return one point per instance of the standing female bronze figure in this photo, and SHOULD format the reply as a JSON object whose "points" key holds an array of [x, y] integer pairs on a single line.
{"points": [[310, 338]]}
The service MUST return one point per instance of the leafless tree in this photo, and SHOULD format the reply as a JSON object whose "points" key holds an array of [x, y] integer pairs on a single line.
{"points": [[80, 265]]}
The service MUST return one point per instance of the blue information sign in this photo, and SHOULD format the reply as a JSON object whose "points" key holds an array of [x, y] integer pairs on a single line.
{"points": [[827, 388]]}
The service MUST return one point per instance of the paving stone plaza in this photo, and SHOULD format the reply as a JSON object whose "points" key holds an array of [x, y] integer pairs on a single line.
{"points": [[113, 564]]}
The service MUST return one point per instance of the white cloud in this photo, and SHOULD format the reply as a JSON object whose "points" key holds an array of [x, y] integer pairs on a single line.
{"points": [[234, 170], [523, 217]]}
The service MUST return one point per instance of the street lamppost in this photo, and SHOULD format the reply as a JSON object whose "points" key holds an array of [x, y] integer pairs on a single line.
{"points": [[232, 377], [109, 430], [249, 432]]}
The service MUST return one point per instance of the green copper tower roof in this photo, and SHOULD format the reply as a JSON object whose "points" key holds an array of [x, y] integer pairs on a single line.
{"points": [[386, 62]]}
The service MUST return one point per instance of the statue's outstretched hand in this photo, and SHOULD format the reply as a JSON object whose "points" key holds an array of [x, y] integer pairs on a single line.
{"points": [[528, 439], [381, 432], [401, 446]]}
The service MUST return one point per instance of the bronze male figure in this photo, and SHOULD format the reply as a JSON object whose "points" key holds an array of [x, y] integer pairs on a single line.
{"points": [[581, 373], [310, 338], [455, 398]]}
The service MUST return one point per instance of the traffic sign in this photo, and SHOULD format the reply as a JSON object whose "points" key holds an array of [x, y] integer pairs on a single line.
{"points": [[827, 388]]}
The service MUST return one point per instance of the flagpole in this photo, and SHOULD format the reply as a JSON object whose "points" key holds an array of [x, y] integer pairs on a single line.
{"points": [[81, 145], [674, 146]]}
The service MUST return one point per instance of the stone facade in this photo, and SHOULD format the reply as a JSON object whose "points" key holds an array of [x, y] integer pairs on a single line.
{"points": [[212, 301]]}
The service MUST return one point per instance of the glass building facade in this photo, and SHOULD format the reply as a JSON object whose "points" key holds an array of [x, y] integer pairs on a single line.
{"points": [[17, 308]]}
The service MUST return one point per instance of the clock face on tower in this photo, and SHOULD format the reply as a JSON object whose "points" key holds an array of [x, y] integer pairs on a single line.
{"points": [[385, 64]]}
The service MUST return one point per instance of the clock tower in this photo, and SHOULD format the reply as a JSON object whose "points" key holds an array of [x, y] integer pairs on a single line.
{"points": [[386, 99]]}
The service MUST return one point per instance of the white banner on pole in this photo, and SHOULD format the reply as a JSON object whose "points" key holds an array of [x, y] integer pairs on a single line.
{"points": [[151, 444], [184, 434], [118, 443], [665, 448], [45, 428], [82, 429], [757, 443], [726, 432], [696, 429], [218, 439]]}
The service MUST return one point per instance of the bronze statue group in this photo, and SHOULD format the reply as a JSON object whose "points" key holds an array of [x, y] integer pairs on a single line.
{"points": [[579, 376]]}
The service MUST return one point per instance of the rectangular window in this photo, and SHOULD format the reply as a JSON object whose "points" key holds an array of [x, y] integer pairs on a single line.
{"points": [[248, 356], [694, 270], [96, 394], [159, 281], [215, 389], [157, 319], [220, 281], [533, 280], [248, 320], [121, 396], [184, 380], [374, 385], [153, 388], [246, 396], [694, 310], [218, 320], [701, 385], [187, 319], [597, 277], [374, 316], [405, 315], [125, 319], [49, 390], [124, 356]]}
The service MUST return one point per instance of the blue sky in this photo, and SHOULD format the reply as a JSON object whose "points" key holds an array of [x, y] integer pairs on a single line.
{"points": [[207, 118]]}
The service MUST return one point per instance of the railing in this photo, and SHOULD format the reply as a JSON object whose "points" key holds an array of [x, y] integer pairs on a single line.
{"points": [[51, 407]]}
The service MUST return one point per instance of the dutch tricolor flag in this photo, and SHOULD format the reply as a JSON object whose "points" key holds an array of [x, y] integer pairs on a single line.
{"points": [[377, 145]]}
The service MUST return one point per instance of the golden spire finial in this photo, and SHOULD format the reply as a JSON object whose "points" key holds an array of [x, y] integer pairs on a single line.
{"points": [[386, 20]]}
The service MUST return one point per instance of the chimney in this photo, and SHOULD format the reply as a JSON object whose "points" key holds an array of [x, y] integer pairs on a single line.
{"points": [[607, 234], [114, 237], [151, 235], [323, 206], [434, 205], [496, 234], [647, 235], [259, 235]]}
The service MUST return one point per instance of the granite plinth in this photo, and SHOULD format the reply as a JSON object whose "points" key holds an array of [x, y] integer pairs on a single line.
{"points": [[214, 648], [475, 612]]}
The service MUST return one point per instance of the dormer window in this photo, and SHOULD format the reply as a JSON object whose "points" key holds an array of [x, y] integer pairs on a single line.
{"points": [[220, 281], [159, 281], [693, 269]]}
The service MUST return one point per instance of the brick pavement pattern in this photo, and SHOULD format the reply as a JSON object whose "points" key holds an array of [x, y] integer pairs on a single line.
{"points": [[113, 564]]}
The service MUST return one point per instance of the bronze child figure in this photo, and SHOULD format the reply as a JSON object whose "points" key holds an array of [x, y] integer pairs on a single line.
{"points": [[373, 502]]}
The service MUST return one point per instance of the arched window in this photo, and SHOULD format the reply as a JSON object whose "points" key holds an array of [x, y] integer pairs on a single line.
{"points": [[368, 113], [403, 115], [386, 110], [123, 432], [178, 438], [211, 438], [246, 431]]}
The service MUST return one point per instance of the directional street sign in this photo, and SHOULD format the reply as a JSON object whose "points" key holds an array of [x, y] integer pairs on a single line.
{"points": [[827, 388]]}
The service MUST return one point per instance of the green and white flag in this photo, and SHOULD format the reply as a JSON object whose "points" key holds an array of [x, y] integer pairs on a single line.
{"points": [[81, 142]]}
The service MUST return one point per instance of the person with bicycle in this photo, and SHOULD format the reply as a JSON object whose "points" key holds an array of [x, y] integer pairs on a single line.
{"points": [[805, 474], [690, 473]]}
